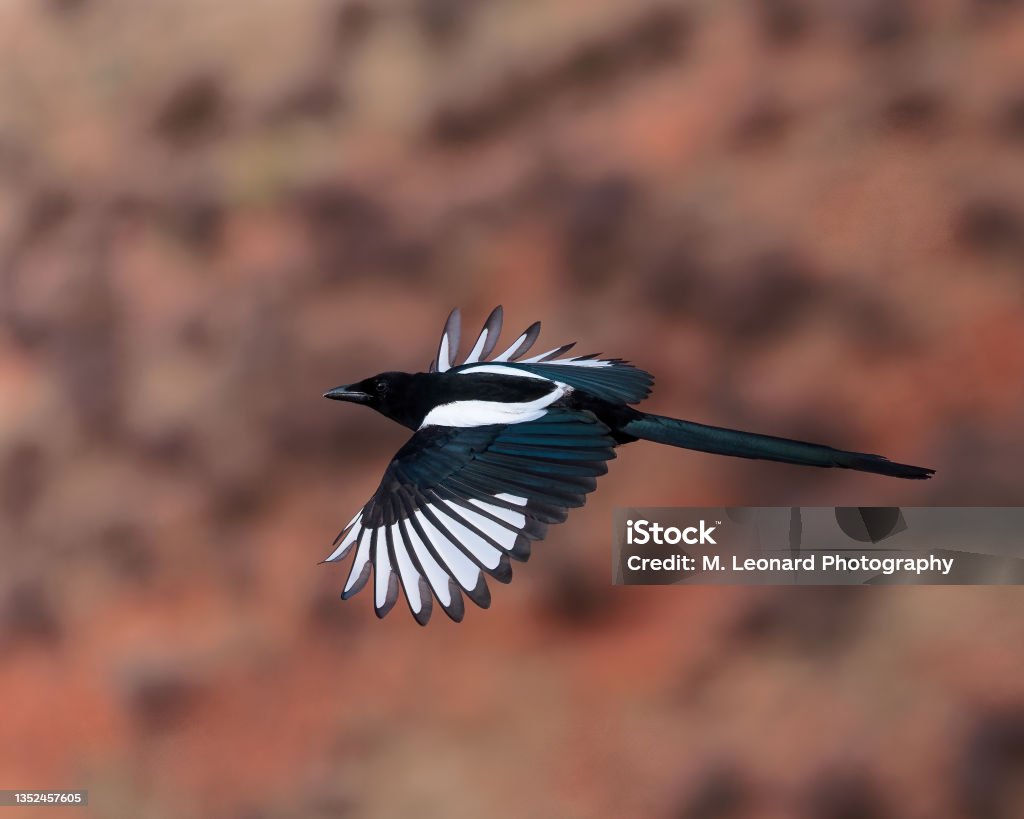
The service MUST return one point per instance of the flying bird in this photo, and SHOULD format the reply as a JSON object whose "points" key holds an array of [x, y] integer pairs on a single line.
{"points": [[502, 448]]}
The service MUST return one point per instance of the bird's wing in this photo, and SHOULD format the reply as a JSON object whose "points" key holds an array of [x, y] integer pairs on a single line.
{"points": [[458, 502], [609, 378]]}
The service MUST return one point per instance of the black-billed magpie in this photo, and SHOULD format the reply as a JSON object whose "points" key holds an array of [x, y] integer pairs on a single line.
{"points": [[503, 447]]}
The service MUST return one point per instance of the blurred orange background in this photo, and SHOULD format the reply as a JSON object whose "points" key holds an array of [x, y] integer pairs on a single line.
{"points": [[807, 219]]}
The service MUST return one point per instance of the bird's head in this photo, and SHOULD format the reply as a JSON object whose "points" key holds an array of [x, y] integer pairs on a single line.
{"points": [[391, 394]]}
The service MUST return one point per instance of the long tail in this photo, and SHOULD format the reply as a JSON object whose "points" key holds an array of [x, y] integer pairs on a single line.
{"points": [[689, 435]]}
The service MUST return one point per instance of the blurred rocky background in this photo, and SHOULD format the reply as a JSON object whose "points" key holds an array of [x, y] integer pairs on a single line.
{"points": [[806, 218]]}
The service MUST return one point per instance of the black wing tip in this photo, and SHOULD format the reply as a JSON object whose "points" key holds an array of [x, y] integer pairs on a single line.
{"points": [[492, 326], [364, 575], [422, 617], [529, 337], [389, 599], [520, 549], [427, 603], [556, 353], [456, 610], [550, 516], [480, 594], [503, 571], [341, 534], [333, 558]]}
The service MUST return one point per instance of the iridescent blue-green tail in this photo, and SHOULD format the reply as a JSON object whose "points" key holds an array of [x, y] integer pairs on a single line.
{"points": [[720, 441]]}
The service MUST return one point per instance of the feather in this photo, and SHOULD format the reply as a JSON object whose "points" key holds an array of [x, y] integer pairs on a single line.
{"points": [[449, 346], [521, 344], [488, 338]]}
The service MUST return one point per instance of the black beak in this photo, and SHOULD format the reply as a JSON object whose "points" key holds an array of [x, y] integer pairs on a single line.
{"points": [[347, 394]]}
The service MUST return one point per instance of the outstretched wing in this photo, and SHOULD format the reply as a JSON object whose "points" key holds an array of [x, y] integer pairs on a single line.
{"points": [[609, 378], [456, 503]]}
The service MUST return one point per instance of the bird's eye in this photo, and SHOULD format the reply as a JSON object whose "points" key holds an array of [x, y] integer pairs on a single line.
{"points": [[381, 386]]}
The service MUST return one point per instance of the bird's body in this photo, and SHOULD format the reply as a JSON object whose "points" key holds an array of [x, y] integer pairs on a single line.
{"points": [[503, 448]]}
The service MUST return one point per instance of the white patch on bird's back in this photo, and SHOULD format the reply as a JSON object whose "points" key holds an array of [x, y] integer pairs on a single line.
{"points": [[484, 413], [498, 369]]}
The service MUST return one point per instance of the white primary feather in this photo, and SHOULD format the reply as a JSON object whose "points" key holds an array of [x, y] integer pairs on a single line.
{"points": [[361, 560], [449, 342], [464, 570], [536, 359], [437, 577], [348, 540], [488, 338], [382, 570], [480, 548], [501, 535], [474, 354], [406, 571], [443, 355], [517, 519], [507, 355]]}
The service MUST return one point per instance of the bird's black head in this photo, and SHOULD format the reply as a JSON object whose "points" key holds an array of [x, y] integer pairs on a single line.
{"points": [[391, 394]]}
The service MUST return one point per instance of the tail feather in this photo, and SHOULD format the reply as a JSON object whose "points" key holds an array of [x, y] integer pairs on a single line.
{"points": [[720, 441]]}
